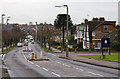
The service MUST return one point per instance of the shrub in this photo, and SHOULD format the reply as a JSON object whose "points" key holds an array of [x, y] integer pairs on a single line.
{"points": [[56, 43], [115, 45], [71, 49], [59, 47], [75, 45]]}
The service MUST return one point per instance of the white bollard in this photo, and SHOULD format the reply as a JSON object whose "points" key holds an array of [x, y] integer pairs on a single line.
{"points": [[41, 55]]}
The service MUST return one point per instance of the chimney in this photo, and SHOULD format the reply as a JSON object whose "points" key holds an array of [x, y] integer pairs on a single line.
{"points": [[95, 19], [101, 19], [86, 20]]}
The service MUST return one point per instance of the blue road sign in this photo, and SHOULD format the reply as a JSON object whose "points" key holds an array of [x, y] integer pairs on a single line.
{"points": [[105, 42]]}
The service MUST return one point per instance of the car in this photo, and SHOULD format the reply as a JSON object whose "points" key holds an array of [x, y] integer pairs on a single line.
{"points": [[32, 42], [19, 44]]}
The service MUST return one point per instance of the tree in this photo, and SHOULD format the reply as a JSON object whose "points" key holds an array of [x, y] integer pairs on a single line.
{"points": [[60, 22], [115, 45]]}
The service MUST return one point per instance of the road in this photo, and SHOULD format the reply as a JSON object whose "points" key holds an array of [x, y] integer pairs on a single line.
{"points": [[18, 66]]}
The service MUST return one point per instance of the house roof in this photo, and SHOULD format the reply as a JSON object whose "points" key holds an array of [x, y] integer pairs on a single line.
{"points": [[103, 23]]}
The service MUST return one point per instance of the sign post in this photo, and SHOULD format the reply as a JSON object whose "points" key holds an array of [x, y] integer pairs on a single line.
{"points": [[105, 43]]}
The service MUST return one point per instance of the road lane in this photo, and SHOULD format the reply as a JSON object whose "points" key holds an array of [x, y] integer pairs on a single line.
{"points": [[18, 66], [80, 69]]}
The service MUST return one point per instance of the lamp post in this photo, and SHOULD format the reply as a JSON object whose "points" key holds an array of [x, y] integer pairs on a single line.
{"points": [[2, 17], [67, 54], [36, 32], [8, 18], [36, 38]]}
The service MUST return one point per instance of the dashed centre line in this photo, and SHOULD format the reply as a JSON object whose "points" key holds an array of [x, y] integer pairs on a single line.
{"points": [[45, 69], [92, 73], [100, 75], [31, 62], [56, 74], [37, 65]]}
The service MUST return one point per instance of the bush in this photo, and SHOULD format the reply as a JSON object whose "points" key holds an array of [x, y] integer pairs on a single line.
{"points": [[116, 45], [71, 49], [59, 47], [75, 45], [56, 43]]}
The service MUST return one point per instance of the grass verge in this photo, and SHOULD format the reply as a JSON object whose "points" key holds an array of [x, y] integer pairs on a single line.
{"points": [[113, 57], [9, 49], [46, 49]]}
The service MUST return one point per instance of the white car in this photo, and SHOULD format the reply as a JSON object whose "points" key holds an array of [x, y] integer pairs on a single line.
{"points": [[32, 42], [19, 44]]}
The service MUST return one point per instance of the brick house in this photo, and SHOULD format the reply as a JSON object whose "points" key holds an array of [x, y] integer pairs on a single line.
{"points": [[95, 30]]}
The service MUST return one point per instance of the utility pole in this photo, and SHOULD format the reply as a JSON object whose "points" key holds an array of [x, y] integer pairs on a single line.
{"points": [[67, 51], [36, 39]]}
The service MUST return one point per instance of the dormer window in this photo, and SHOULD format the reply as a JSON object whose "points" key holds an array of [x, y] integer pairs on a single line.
{"points": [[105, 27]]}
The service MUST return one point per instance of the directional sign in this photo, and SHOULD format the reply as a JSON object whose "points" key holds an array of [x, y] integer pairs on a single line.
{"points": [[105, 42]]}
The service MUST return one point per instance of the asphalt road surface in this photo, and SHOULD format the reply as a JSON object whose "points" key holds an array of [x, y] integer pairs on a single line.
{"points": [[18, 65]]}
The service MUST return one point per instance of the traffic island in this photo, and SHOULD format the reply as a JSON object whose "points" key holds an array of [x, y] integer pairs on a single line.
{"points": [[27, 50], [41, 59]]}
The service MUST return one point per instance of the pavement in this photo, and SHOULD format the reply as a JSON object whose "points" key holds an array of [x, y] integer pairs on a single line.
{"points": [[75, 57], [0, 66]]}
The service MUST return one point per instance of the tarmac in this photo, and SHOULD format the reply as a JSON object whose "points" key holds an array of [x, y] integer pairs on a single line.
{"points": [[75, 57]]}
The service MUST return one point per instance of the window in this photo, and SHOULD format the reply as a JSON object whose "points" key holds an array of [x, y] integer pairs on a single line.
{"points": [[99, 45], [105, 27], [93, 34]]}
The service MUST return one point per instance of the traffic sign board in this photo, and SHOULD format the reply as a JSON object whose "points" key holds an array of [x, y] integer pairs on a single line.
{"points": [[105, 42]]}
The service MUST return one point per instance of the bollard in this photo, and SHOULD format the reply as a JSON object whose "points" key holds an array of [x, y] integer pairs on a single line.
{"points": [[41, 55], [33, 55], [25, 49]]}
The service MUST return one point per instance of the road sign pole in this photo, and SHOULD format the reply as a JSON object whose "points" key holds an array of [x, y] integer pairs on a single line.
{"points": [[109, 51]]}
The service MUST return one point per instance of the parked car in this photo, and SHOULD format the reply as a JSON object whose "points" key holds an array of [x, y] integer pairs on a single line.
{"points": [[19, 44], [32, 42]]}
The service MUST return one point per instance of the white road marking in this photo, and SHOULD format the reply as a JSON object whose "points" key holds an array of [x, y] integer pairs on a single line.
{"points": [[37, 65], [67, 65], [31, 62], [56, 74], [92, 73], [81, 69], [24, 56], [100, 75], [45, 69], [78, 69], [58, 62]]}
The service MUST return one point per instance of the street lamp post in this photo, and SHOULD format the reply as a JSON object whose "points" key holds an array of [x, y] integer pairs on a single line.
{"points": [[8, 18], [36, 38], [67, 51], [2, 17], [36, 32]]}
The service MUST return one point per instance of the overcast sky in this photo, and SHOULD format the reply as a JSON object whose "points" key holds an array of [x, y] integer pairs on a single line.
{"points": [[25, 11]]}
